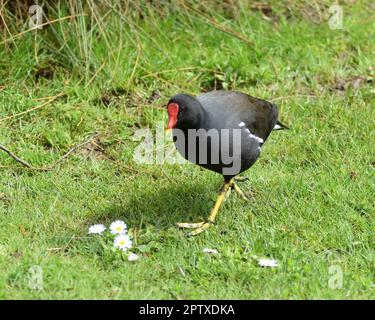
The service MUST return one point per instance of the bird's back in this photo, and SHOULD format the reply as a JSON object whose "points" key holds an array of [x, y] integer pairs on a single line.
{"points": [[227, 109]]}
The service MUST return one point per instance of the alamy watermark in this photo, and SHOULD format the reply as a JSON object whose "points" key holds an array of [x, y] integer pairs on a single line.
{"points": [[335, 280], [206, 147], [36, 17], [35, 278], [336, 20]]}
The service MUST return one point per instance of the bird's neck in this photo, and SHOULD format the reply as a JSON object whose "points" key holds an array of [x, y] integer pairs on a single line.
{"points": [[197, 119]]}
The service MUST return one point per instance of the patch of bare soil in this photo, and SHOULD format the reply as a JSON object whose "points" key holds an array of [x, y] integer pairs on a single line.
{"points": [[355, 83], [93, 150]]}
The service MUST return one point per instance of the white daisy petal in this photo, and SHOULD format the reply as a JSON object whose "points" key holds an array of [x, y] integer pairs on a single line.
{"points": [[210, 251], [133, 257], [97, 229], [123, 242], [270, 263], [118, 227]]}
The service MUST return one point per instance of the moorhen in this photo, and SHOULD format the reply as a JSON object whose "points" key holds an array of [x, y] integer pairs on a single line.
{"points": [[222, 131]]}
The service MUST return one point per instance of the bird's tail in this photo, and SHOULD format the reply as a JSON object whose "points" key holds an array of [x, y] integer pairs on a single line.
{"points": [[279, 126]]}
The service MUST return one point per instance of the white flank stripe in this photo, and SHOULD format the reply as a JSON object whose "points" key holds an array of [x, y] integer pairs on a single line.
{"points": [[260, 140]]}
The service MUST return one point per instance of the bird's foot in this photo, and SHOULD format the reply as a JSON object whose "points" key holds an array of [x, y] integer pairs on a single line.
{"points": [[202, 226], [199, 227]]}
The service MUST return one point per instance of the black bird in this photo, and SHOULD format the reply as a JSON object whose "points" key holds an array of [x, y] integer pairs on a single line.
{"points": [[222, 131]]}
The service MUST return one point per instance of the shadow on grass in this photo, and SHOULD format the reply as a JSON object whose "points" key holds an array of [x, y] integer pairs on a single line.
{"points": [[163, 206]]}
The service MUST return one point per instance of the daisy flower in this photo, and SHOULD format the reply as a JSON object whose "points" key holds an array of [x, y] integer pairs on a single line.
{"points": [[211, 251], [118, 227], [133, 257], [271, 263], [97, 229], [123, 242]]}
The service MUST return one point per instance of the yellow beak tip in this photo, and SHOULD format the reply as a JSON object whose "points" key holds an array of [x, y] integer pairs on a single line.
{"points": [[167, 130]]}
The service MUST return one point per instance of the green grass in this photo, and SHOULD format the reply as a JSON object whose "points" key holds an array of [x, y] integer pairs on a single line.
{"points": [[313, 186]]}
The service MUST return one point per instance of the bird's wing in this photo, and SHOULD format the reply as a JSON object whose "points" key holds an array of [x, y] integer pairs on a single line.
{"points": [[257, 115]]}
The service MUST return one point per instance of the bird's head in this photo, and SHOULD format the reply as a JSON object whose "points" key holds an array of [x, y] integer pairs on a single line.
{"points": [[184, 112]]}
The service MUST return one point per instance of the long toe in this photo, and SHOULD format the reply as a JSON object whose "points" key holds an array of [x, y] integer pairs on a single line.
{"points": [[241, 179], [187, 225], [240, 192], [199, 230]]}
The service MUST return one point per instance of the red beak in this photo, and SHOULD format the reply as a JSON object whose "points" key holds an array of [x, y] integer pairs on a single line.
{"points": [[172, 115]]}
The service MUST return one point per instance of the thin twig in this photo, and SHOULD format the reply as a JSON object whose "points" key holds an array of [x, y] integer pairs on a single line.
{"points": [[139, 51], [95, 74], [179, 69], [293, 96], [34, 108], [53, 165], [6, 27], [19, 160], [73, 149], [216, 24]]}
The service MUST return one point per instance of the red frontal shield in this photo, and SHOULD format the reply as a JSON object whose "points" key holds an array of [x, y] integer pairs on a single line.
{"points": [[172, 115]]}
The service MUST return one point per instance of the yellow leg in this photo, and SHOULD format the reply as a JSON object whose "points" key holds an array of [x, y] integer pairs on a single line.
{"points": [[227, 194], [202, 226]]}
